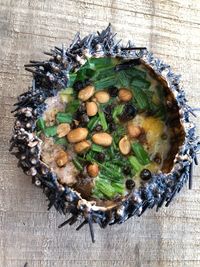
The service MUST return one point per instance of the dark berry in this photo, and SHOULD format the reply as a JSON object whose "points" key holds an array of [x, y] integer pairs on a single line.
{"points": [[157, 158], [73, 125], [108, 109], [98, 128], [130, 184], [112, 127], [113, 91], [109, 118], [84, 119], [100, 157], [78, 85], [128, 113], [127, 170], [145, 174], [81, 109]]}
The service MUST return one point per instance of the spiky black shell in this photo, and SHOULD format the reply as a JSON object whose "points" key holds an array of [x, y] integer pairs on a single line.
{"points": [[51, 76]]}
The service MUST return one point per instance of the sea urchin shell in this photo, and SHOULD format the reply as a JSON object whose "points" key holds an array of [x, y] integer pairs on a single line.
{"points": [[52, 75]]}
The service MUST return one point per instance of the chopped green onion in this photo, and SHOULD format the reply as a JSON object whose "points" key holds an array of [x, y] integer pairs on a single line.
{"points": [[73, 106], [93, 123], [141, 83], [103, 120], [117, 111], [61, 141], [62, 117], [111, 172], [40, 124], [103, 72], [105, 188], [97, 148], [97, 193], [135, 164], [123, 79], [141, 98], [77, 164], [90, 156], [50, 131], [111, 150], [114, 168], [135, 72], [72, 78], [105, 83], [120, 131], [119, 187], [140, 153]]}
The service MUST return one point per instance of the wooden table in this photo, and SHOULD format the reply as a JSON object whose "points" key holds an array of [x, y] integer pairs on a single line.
{"points": [[28, 233]]}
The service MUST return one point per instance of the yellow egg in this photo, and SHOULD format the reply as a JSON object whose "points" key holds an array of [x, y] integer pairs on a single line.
{"points": [[153, 128]]}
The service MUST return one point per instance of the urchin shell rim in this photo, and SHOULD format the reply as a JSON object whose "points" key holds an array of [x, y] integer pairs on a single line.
{"points": [[159, 190]]}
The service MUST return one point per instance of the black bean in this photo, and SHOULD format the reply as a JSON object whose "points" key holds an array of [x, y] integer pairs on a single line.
{"points": [[98, 128], [100, 156], [157, 158], [145, 174], [112, 127], [78, 85], [84, 119], [130, 184], [129, 112], [81, 109], [113, 91], [108, 109], [127, 170], [73, 125], [109, 117]]}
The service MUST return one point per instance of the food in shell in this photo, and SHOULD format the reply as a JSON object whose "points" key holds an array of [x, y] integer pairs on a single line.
{"points": [[105, 130]]}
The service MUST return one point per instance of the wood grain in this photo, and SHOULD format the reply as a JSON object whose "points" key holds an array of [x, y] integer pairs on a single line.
{"points": [[28, 233]]}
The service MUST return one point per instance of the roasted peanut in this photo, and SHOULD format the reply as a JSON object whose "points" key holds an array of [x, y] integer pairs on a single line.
{"points": [[102, 97], [61, 158], [93, 170], [102, 139], [91, 108], [124, 145], [63, 129], [86, 93], [125, 95], [133, 131], [77, 135], [82, 146]]}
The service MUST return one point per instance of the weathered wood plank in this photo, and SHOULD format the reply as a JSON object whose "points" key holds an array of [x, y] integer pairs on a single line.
{"points": [[171, 29]]}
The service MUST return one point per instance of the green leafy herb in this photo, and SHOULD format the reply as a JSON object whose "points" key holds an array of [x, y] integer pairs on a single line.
{"points": [[72, 78], [117, 111], [61, 141], [112, 173], [140, 153], [62, 117], [135, 164], [97, 148], [103, 120], [77, 164], [141, 98], [93, 123], [72, 106], [141, 83], [105, 188], [40, 124], [50, 131], [105, 82], [118, 187]]}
